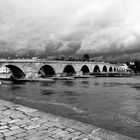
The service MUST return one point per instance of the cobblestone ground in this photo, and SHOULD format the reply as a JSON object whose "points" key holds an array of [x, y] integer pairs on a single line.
{"points": [[22, 123]]}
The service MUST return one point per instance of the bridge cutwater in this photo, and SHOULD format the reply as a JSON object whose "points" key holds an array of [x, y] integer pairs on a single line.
{"points": [[37, 68]]}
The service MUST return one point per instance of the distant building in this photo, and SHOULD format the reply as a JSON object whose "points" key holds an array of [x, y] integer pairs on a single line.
{"points": [[124, 66], [4, 69], [34, 58]]}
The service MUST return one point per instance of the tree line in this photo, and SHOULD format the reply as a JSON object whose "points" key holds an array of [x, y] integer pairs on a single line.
{"points": [[85, 57], [135, 66]]}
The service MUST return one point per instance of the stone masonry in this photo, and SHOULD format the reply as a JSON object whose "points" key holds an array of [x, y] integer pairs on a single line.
{"points": [[22, 123], [30, 67]]}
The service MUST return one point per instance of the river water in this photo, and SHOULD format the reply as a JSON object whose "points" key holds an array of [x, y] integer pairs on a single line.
{"points": [[111, 103]]}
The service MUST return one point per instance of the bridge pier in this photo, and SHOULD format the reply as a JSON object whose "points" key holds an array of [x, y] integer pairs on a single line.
{"points": [[31, 75], [79, 73]]}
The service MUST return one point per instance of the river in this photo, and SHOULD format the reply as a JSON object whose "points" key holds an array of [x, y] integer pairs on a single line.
{"points": [[111, 103]]}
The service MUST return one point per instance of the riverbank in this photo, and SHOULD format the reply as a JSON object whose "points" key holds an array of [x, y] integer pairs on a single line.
{"points": [[18, 122]]}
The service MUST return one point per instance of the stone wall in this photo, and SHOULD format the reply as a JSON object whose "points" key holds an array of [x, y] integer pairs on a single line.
{"points": [[32, 68]]}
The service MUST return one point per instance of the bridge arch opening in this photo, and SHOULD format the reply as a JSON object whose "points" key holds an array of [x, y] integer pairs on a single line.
{"points": [[104, 69], [85, 70], [110, 69], [69, 70], [46, 71], [96, 69], [114, 69], [17, 73]]}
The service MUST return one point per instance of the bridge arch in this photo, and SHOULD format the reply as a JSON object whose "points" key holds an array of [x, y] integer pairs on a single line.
{"points": [[114, 69], [69, 70], [110, 69], [46, 71], [104, 69], [85, 69], [16, 71], [96, 69]]}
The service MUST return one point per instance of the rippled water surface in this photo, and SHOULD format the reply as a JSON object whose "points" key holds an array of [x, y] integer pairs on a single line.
{"points": [[111, 103]]}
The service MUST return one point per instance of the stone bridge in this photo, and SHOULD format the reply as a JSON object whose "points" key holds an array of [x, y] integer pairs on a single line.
{"points": [[40, 68]]}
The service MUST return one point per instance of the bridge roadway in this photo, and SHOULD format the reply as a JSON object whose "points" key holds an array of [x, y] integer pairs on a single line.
{"points": [[43, 68]]}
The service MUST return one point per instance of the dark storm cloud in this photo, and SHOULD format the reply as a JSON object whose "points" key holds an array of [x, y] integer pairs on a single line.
{"points": [[44, 27]]}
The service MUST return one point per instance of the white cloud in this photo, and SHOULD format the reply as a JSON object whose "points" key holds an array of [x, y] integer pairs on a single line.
{"points": [[99, 26]]}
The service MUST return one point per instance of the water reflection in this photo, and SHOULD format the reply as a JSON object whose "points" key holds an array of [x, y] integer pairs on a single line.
{"points": [[85, 82], [137, 98], [47, 84], [96, 84], [70, 93], [136, 86], [17, 86], [47, 92], [69, 83], [116, 84]]}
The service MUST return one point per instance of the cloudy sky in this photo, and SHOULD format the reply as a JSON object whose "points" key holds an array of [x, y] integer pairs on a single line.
{"points": [[69, 27]]}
